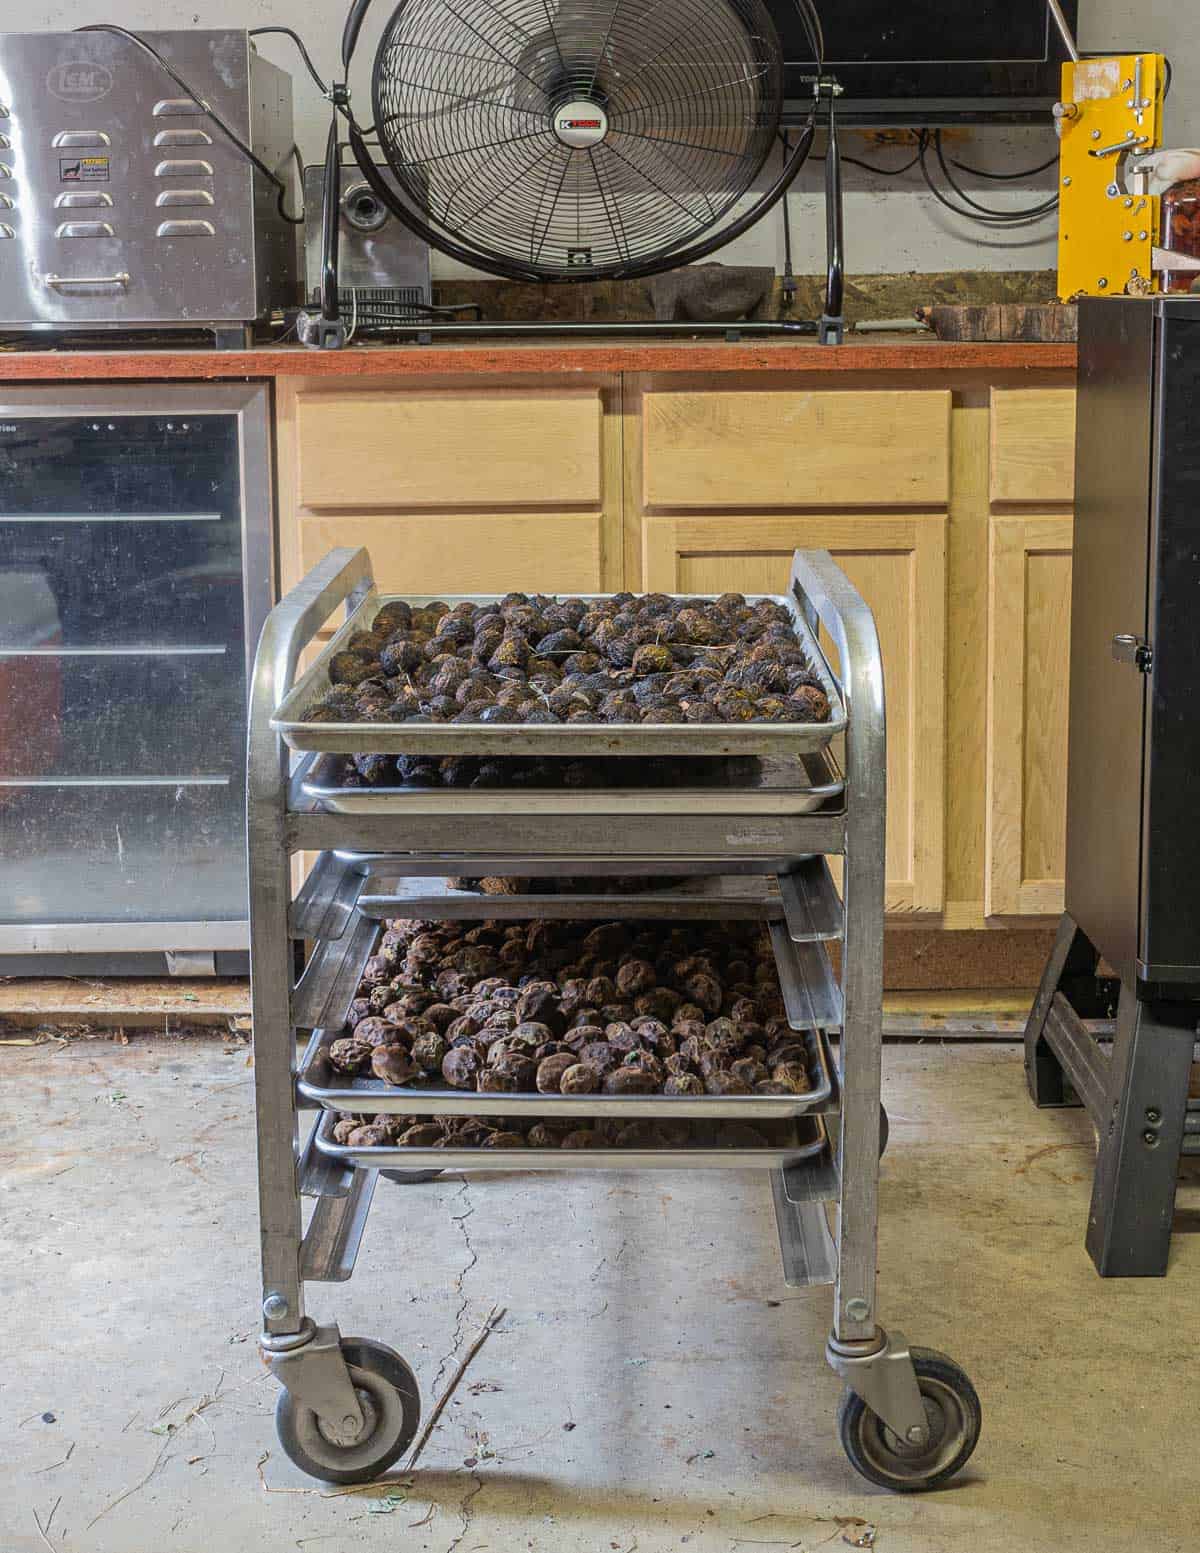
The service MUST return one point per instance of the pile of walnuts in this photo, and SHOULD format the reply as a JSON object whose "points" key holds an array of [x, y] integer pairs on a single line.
{"points": [[627, 658], [483, 1132], [558, 1008]]}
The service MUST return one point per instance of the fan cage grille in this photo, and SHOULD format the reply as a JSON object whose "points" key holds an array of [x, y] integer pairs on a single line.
{"points": [[469, 99]]}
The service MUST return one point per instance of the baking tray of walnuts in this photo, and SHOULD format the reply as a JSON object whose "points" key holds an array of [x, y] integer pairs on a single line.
{"points": [[589, 674], [623, 1018], [467, 784], [590, 1143]]}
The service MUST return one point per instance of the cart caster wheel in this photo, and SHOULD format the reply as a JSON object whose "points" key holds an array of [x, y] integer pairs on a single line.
{"points": [[884, 1130], [409, 1177], [391, 1404], [952, 1408]]}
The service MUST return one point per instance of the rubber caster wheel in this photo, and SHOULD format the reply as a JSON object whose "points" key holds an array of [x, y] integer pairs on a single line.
{"points": [[391, 1403], [955, 1417], [410, 1177]]}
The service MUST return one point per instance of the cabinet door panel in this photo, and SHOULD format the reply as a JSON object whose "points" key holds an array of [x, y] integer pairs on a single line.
{"points": [[1032, 445], [898, 564], [1028, 649], [451, 448], [780, 448]]}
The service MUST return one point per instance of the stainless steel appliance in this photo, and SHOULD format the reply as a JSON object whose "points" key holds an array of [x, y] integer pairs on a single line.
{"points": [[383, 267], [122, 204], [135, 573], [1133, 846]]}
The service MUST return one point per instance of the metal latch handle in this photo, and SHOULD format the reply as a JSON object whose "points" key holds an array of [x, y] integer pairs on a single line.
{"points": [[59, 282], [1133, 649]]}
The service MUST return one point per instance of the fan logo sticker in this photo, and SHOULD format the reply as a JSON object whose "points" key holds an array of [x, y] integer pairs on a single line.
{"points": [[580, 125]]}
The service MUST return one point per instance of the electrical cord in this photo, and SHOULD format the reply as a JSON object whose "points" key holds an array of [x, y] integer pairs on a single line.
{"points": [[980, 172], [287, 32], [982, 214], [206, 107]]}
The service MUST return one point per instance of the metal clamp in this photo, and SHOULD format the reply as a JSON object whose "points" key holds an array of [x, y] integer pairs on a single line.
{"points": [[884, 1377], [310, 1365], [1127, 648]]}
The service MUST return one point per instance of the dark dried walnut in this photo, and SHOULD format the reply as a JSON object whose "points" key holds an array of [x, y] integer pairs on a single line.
{"points": [[550, 1072], [428, 1051], [579, 1079], [425, 1135], [392, 1064], [629, 1081], [349, 1055], [635, 976], [460, 1066], [371, 1136]]}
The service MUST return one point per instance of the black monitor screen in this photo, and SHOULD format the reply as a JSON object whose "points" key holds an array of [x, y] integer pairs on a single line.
{"points": [[926, 30], [908, 59]]}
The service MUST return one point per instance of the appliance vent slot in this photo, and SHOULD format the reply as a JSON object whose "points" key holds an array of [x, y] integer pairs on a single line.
{"points": [[195, 169], [73, 139], [169, 107], [184, 197], [185, 229]]}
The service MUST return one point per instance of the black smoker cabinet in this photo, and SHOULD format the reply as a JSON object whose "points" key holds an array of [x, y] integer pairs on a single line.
{"points": [[1133, 836]]}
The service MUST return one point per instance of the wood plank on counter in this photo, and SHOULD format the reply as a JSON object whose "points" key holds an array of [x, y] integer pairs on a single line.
{"points": [[556, 355]]}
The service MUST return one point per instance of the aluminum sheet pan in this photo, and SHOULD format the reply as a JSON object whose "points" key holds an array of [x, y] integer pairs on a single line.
{"points": [[810, 1140], [777, 785], [547, 739], [366, 1096]]}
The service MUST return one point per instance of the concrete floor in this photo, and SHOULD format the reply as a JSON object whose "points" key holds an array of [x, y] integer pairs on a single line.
{"points": [[653, 1385]]}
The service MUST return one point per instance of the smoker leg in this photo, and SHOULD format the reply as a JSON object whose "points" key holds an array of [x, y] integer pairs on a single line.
{"points": [[1072, 957], [1133, 1192]]}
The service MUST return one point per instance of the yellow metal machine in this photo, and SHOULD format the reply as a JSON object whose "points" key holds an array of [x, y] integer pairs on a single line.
{"points": [[1111, 111]]}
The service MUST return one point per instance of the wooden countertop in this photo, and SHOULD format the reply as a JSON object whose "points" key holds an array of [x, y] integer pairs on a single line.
{"points": [[553, 354]]}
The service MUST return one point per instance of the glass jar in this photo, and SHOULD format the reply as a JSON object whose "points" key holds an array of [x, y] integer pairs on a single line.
{"points": [[1181, 230]]}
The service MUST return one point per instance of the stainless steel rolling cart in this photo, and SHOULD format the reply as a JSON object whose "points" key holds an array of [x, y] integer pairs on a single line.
{"points": [[756, 849]]}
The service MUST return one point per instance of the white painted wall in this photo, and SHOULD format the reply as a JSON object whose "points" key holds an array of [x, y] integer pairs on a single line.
{"points": [[892, 224]]}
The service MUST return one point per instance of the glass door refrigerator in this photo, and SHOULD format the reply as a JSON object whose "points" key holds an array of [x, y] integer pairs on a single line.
{"points": [[136, 568]]}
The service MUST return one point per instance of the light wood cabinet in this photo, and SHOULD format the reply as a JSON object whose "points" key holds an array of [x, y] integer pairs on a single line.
{"points": [[775, 448], [947, 502], [1029, 623], [899, 565]]}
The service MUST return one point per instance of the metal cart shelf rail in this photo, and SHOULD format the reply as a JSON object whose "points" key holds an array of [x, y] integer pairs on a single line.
{"points": [[910, 1418]]}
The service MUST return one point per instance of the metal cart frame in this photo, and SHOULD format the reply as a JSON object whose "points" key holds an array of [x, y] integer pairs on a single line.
{"points": [[910, 1418]]}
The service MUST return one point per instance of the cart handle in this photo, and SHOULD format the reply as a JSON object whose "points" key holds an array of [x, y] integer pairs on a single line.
{"points": [[344, 575], [827, 597]]}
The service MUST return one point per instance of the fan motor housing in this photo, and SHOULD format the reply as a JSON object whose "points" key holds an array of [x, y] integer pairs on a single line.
{"points": [[581, 124]]}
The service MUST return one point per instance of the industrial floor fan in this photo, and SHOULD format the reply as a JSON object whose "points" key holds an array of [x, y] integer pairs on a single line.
{"points": [[579, 140]]}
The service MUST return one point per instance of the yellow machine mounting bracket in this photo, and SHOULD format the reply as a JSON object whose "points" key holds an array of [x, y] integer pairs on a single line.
{"points": [[1108, 225]]}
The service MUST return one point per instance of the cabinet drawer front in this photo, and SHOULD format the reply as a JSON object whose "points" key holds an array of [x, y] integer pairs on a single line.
{"points": [[789, 449], [471, 553], [450, 449], [1032, 445]]}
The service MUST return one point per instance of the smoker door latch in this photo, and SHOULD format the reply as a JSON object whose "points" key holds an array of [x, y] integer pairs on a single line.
{"points": [[1132, 649]]}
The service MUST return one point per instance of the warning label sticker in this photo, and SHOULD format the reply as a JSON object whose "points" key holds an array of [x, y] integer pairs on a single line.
{"points": [[83, 169]]}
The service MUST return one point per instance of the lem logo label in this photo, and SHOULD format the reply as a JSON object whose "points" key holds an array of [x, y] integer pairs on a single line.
{"points": [[79, 80]]}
